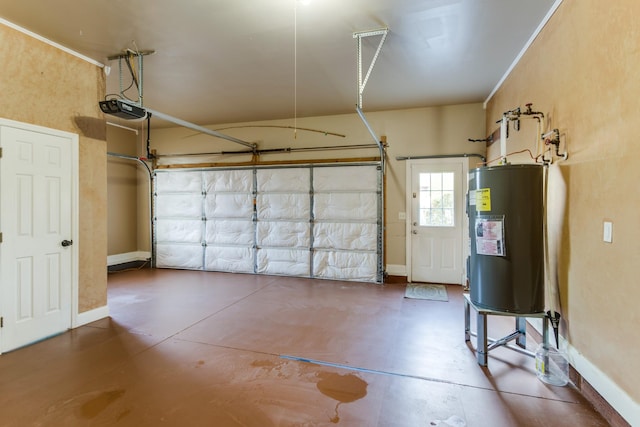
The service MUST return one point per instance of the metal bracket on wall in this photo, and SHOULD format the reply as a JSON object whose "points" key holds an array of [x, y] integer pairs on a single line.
{"points": [[362, 83], [381, 144], [128, 55], [359, 35]]}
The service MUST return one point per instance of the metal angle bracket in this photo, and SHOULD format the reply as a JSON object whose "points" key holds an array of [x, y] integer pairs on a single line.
{"points": [[130, 52], [359, 35], [126, 54]]}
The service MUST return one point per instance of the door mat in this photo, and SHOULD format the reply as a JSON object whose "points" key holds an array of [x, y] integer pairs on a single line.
{"points": [[427, 291]]}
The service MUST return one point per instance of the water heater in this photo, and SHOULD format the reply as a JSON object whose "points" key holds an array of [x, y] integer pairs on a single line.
{"points": [[506, 230]]}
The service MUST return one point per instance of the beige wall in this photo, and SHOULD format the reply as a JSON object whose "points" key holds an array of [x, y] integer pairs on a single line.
{"points": [[122, 192], [582, 73], [413, 132], [45, 86]]}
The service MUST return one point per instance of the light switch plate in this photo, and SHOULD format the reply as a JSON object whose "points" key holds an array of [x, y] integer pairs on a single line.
{"points": [[608, 232]]}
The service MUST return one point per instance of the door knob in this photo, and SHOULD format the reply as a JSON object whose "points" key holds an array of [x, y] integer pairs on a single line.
{"points": [[414, 231], [66, 243]]}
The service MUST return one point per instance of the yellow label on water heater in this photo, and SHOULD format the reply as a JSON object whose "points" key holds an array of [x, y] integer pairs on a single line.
{"points": [[483, 199]]}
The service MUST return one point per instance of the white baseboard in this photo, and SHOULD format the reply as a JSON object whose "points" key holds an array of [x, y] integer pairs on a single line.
{"points": [[91, 316], [605, 386], [608, 389], [396, 270], [128, 257]]}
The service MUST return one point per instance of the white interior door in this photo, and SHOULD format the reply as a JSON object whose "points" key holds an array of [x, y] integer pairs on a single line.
{"points": [[36, 266], [435, 227]]}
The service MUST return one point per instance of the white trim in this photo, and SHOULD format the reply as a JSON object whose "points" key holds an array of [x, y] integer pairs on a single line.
{"points": [[523, 51], [50, 42], [75, 226], [396, 270], [91, 316], [608, 389], [122, 127], [128, 257]]}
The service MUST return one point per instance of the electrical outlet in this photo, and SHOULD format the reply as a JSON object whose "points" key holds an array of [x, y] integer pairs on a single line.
{"points": [[608, 232], [402, 216]]}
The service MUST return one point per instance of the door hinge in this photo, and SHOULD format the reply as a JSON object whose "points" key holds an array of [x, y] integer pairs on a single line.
{"points": [[0, 152], [1, 322], [0, 237]]}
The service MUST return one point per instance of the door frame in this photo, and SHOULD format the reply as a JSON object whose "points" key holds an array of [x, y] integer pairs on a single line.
{"points": [[75, 185], [435, 160]]}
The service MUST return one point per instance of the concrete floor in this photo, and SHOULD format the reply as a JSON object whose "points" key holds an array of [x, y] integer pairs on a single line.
{"points": [[187, 348]]}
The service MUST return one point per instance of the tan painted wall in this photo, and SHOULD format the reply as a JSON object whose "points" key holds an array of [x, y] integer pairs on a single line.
{"points": [[421, 131], [122, 192], [45, 86], [582, 73]]}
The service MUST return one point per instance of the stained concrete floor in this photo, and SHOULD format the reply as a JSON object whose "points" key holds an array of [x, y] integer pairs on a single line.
{"points": [[185, 348]]}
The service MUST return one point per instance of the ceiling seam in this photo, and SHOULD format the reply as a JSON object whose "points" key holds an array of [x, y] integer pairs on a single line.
{"points": [[515, 62], [50, 42]]}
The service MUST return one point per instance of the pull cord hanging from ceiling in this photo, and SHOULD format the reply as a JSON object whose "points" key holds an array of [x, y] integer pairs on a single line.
{"points": [[295, 70]]}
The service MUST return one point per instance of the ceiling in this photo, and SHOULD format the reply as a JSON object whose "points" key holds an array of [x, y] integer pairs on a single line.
{"points": [[226, 61]]}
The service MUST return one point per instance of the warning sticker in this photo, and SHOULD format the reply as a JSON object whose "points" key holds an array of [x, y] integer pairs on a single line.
{"points": [[489, 234], [483, 199]]}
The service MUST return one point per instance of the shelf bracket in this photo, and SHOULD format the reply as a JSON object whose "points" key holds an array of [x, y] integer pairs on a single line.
{"points": [[359, 36]]}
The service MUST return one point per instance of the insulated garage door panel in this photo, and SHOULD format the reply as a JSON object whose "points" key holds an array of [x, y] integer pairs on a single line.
{"points": [[229, 232], [228, 211], [237, 181], [180, 230], [283, 210], [221, 205], [283, 234], [179, 182], [290, 180], [345, 178], [347, 236], [182, 256], [345, 265], [178, 225], [346, 206], [289, 262], [229, 259], [178, 206], [283, 206]]}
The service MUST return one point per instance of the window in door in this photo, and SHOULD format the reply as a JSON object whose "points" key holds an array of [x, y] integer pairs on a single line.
{"points": [[437, 199]]}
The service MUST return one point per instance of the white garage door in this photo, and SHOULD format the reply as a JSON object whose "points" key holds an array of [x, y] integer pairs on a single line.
{"points": [[321, 221]]}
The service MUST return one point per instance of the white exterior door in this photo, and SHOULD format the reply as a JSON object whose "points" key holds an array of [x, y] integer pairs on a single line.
{"points": [[35, 254], [435, 225]]}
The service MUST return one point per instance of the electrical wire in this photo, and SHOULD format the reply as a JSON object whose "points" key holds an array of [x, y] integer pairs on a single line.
{"points": [[131, 66], [122, 94], [143, 265], [128, 59], [526, 150]]}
